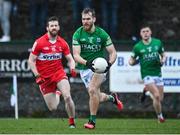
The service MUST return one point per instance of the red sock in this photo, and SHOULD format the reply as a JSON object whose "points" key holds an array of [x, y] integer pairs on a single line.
{"points": [[71, 121]]}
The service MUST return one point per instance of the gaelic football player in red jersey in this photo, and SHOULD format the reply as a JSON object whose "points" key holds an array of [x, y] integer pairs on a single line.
{"points": [[45, 61]]}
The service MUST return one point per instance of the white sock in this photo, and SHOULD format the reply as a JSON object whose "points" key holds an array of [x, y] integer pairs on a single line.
{"points": [[160, 115]]}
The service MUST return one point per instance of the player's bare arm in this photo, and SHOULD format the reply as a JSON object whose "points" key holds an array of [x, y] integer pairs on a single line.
{"points": [[71, 62], [32, 64], [76, 54], [163, 58], [132, 61], [112, 53]]}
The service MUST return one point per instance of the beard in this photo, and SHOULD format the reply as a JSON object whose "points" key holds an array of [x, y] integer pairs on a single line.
{"points": [[87, 27], [53, 33]]}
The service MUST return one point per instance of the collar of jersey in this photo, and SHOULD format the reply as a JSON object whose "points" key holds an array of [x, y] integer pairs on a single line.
{"points": [[58, 37]]}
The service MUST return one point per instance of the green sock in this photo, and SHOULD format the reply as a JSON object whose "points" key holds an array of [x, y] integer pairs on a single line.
{"points": [[111, 98], [92, 118]]}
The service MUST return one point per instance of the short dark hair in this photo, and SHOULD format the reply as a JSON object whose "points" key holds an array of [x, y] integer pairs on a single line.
{"points": [[87, 10], [52, 18], [144, 26]]}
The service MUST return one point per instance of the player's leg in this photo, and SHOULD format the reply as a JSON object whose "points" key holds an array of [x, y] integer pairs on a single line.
{"points": [[86, 76], [156, 97], [51, 100], [112, 98], [161, 93], [143, 96], [103, 97], [64, 86], [50, 95], [154, 85], [5, 23], [94, 99]]}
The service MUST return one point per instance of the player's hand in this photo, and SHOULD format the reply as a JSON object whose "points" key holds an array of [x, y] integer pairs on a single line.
{"points": [[108, 67], [162, 62], [136, 61], [73, 73], [39, 80], [133, 61], [89, 64]]}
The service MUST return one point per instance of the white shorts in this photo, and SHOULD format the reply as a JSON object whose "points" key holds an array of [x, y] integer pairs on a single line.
{"points": [[153, 79], [86, 76]]}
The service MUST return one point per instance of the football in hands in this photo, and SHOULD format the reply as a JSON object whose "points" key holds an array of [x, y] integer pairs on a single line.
{"points": [[100, 65]]}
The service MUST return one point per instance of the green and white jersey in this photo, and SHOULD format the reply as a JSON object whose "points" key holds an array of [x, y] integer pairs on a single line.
{"points": [[92, 44], [149, 57]]}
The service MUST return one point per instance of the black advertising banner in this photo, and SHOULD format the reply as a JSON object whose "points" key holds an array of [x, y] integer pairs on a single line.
{"points": [[15, 63], [14, 60]]}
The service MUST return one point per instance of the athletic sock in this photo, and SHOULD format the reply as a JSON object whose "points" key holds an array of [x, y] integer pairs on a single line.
{"points": [[71, 121], [159, 115], [92, 118]]}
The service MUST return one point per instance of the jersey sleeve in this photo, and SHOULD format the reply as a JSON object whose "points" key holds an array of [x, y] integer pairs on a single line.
{"points": [[75, 39], [134, 52], [106, 38], [66, 49], [161, 48], [35, 48]]}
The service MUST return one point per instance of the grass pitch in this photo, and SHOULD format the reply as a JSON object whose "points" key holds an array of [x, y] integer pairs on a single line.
{"points": [[103, 126]]}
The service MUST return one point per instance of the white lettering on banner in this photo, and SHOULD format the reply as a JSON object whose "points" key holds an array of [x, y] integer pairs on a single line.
{"points": [[7, 65], [126, 78]]}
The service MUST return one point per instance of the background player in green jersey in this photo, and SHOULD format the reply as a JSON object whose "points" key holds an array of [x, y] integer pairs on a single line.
{"points": [[90, 42], [150, 52]]}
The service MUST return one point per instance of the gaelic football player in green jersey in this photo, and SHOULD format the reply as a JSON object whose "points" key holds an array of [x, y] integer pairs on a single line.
{"points": [[150, 53], [90, 42]]}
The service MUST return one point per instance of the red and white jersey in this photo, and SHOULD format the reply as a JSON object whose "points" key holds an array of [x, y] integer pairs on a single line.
{"points": [[49, 55]]}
